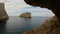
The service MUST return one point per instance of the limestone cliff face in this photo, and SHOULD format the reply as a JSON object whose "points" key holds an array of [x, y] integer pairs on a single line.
{"points": [[53, 5], [26, 15], [3, 14]]}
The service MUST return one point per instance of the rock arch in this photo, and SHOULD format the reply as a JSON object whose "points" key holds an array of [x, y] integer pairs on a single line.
{"points": [[50, 4]]}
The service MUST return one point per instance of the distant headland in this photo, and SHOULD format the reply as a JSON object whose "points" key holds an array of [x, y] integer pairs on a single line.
{"points": [[25, 15]]}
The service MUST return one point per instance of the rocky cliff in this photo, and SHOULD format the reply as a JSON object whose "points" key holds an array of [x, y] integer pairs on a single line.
{"points": [[3, 14], [53, 5], [51, 26]]}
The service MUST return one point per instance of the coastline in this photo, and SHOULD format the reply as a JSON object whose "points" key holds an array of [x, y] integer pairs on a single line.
{"points": [[49, 27]]}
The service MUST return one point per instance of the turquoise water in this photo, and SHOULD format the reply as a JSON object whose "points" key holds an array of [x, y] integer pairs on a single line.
{"points": [[16, 25]]}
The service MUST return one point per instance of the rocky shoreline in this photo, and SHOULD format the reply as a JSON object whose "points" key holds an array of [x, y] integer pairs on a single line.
{"points": [[51, 26]]}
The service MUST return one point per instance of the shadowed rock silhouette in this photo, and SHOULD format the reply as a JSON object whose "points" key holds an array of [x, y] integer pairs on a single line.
{"points": [[51, 26], [53, 5], [3, 14]]}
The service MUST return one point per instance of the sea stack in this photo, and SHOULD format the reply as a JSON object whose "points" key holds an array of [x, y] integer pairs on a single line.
{"points": [[25, 15], [3, 14]]}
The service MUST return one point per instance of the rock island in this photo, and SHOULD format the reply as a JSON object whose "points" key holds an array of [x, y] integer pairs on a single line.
{"points": [[25, 15]]}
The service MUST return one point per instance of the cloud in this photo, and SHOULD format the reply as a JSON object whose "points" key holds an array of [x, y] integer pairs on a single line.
{"points": [[16, 7], [1, 1], [37, 11], [13, 6]]}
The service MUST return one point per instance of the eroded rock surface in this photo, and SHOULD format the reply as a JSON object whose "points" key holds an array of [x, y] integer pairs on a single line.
{"points": [[51, 26], [3, 14]]}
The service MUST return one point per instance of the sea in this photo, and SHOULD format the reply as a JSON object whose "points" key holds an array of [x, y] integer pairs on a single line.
{"points": [[17, 25]]}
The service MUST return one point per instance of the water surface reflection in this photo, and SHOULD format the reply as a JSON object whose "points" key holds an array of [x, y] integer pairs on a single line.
{"points": [[16, 25], [2, 27]]}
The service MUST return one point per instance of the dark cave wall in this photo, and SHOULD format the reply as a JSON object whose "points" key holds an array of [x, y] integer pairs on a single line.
{"points": [[50, 4]]}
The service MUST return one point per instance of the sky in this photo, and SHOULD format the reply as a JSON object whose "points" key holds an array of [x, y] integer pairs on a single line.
{"points": [[16, 7]]}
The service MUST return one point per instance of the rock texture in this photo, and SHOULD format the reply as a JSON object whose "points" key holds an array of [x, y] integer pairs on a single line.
{"points": [[25, 15], [3, 14], [53, 5], [51, 26]]}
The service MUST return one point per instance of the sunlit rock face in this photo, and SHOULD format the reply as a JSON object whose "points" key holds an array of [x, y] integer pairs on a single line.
{"points": [[3, 14], [50, 4], [51, 26]]}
